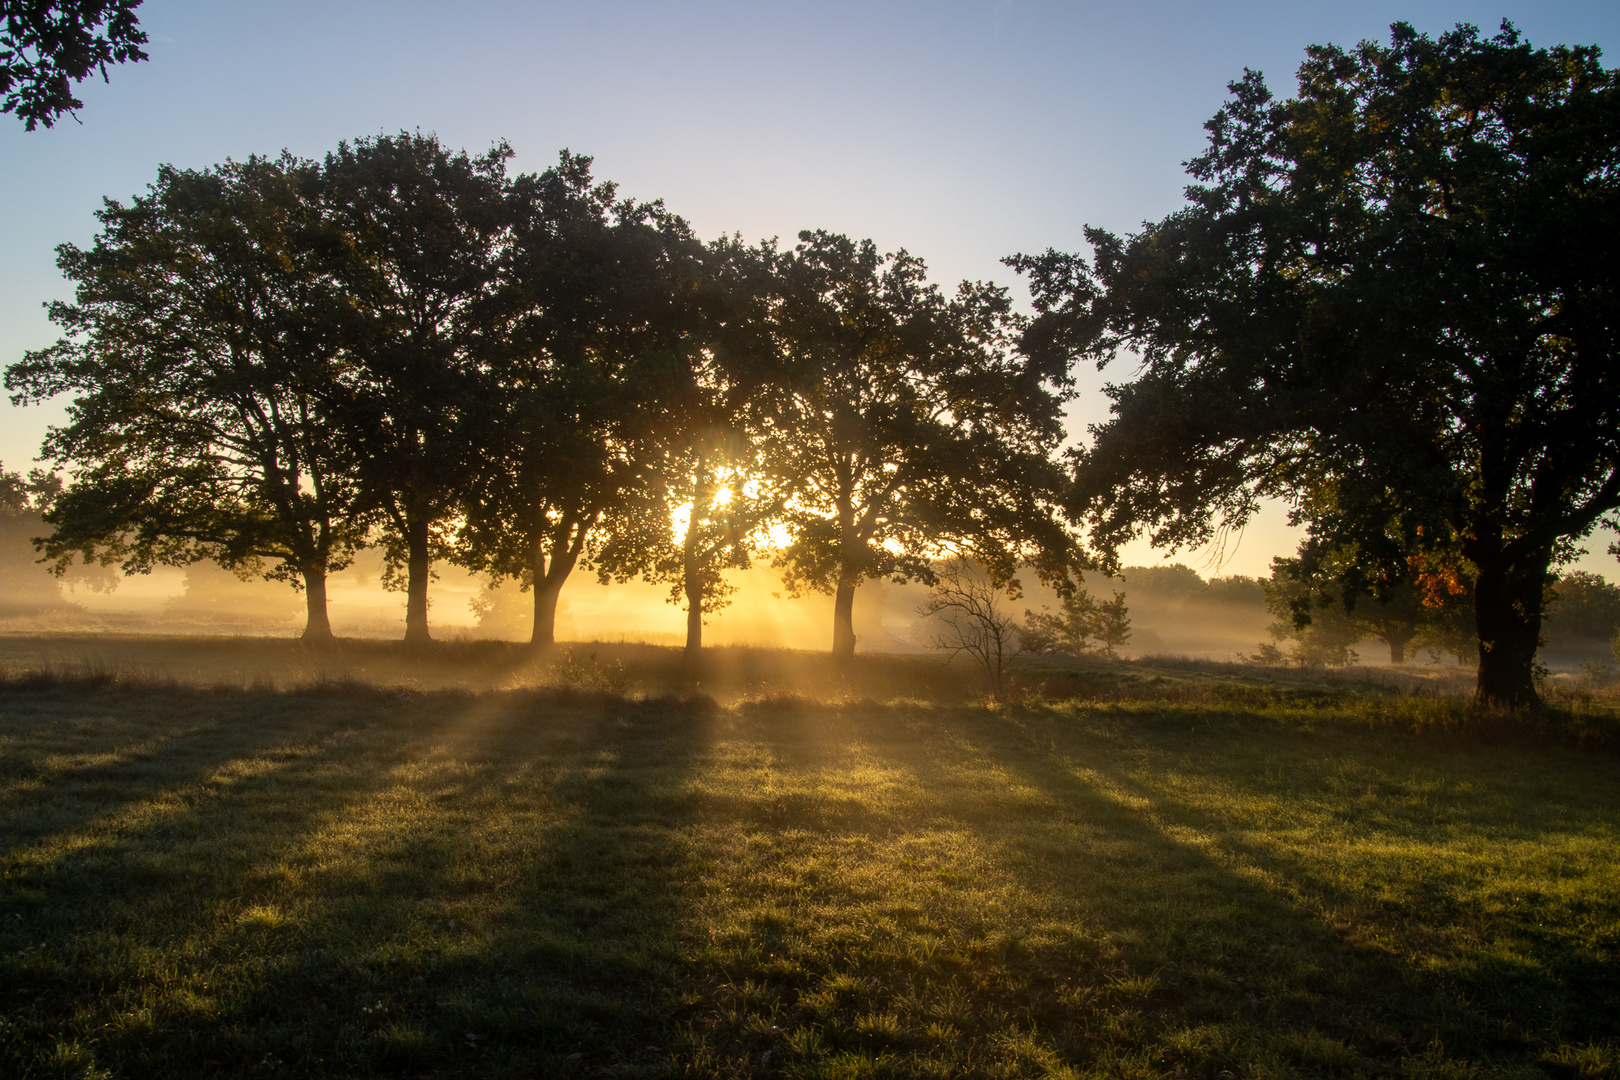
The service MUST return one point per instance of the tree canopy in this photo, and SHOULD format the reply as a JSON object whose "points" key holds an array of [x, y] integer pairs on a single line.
{"points": [[422, 228], [600, 330], [48, 45], [201, 349], [718, 475], [1391, 300], [914, 426]]}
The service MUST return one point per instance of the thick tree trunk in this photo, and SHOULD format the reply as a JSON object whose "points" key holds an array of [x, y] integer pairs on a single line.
{"points": [[418, 567], [844, 621], [545, 614], [317, 626], [1397, 646], [548, 583], [1507, 612]]}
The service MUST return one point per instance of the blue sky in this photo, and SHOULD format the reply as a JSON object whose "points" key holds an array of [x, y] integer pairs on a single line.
{"points": [[963, 132]]}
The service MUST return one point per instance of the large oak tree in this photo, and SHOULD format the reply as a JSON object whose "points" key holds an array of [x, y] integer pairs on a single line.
{"points": [[718, 473], [597, 336], [201, 350], [1391, 299], [424, 230], [913, 426]]}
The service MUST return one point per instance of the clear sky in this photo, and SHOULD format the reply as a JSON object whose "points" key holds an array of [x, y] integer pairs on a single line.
{"points": [[962, 132]]}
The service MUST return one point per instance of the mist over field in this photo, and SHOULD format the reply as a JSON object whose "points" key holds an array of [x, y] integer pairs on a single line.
{"points": [[1174, 611]]}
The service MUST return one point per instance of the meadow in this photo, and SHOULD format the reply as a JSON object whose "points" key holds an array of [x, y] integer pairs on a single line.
{"points": [[236, 858]]}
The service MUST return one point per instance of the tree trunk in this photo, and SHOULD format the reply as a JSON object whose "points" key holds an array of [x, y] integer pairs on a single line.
{"points": [[844, 621], [1397, 646], [545, 614], [692, 580], [694, 618], [1507, 612], [548, 583], [317, 626], [418, 566], [849, 576]]}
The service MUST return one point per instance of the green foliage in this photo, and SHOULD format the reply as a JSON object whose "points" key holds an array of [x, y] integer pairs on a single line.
{"points": [[23, 499], [1083, 626], [1322, 631], [48, 45], [202, 349], [717, 456], [1176, 580], [1585, 607], [1387, 300], [601, 330], [421, 230], [1234, 589], [911, 426], [1320, 608]]}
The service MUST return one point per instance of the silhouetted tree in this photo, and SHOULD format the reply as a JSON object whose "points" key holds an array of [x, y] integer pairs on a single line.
{"points": [[48, 45], [913, 425], [1333, 599], [23, 501], [601, 328], [201, 347], [1391, 299], [424, 230], [1585, 607], [719, 473]]}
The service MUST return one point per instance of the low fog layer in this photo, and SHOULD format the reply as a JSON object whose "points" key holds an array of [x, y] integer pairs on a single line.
{"points": [[1173, 610]]}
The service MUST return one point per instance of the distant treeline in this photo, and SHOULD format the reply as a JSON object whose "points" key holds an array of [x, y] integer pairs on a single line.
{"points": [[277, 362], [1184, 612]]}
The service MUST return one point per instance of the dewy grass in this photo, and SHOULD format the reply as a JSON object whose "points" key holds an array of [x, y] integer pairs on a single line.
{"points": [[202, 881]]}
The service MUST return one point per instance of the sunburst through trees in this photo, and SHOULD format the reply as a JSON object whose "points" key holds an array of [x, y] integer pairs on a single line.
{"points": [[277, 361], [1390, 299]]}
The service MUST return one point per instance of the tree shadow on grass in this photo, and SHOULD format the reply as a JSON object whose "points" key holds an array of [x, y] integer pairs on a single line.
{"points": [[403, 884], [1314, 955], [1010, 897], [554, 884], [82, 768]]}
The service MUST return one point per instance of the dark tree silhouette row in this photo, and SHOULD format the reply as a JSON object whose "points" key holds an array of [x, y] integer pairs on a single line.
{"points": [[275, 362], [1390, 300]]}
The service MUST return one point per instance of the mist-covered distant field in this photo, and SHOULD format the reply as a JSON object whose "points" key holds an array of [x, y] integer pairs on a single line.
{"points": [[203, 599]]}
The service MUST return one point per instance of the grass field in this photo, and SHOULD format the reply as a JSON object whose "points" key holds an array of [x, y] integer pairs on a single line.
{"points": [[1140, 872]]}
